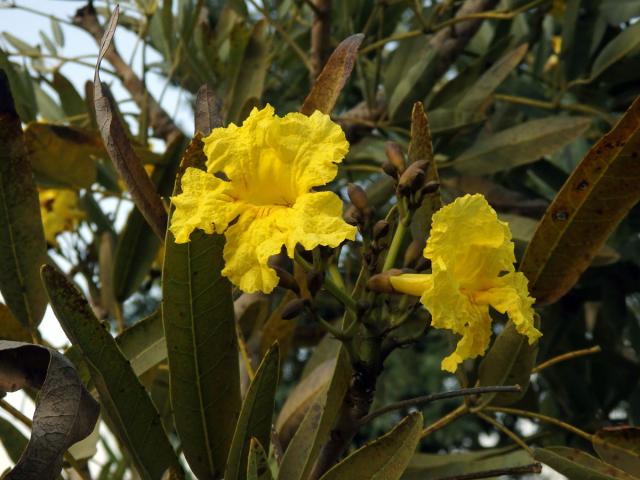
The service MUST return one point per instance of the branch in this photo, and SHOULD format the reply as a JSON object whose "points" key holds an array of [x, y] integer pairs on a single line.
{"points": [[162, 124], [426, 399]]}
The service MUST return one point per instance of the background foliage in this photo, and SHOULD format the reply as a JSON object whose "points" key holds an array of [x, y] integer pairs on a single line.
{"points": [[516, 92]]}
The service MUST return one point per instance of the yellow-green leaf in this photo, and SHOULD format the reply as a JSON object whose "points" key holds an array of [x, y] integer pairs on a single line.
{"points": [[578, 465], [619, 446]]}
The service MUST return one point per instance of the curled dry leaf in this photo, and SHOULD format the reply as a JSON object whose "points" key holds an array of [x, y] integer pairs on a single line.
{"points": [[65, 411]]}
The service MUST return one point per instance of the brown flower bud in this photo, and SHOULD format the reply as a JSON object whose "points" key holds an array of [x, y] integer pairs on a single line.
{"points": [[389, 169], [413, 253], [380, 229], [293, 308], [430, 187], [394, 153], [358, 197], [315, 278], [382, 281], [412, 179], [286, 280]]}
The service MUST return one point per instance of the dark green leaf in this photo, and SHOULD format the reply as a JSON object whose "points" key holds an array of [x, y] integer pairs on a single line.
{"points": [[12, 439], [72, 103], [618, 48], [255, 418], [578, 465], [124, 399], [22, 243], [143, 343], [386, 458], [258, 464], [619, 446]]}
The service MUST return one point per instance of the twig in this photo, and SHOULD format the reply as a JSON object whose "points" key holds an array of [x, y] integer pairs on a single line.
{"points": [[425, 399], [521, 470], [566, 356], [542, 418]]}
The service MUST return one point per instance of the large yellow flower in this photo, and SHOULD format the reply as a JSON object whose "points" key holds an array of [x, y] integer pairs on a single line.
{"points": [[59, 211], [472, 261], [271, 165]]}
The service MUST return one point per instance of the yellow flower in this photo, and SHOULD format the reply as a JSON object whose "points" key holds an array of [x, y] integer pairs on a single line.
{"points": [[59, 211], [472, 261], [271, 164]]}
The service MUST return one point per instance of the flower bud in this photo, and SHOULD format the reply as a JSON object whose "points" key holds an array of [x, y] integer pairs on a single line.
{"points": [[286, 280], [389, 169], [315, 278], [412, 178], [382, 281], [293, 308], [413, 253], [396, 156], [358, 197], [380, 229], [352, 216], [430, 187]]}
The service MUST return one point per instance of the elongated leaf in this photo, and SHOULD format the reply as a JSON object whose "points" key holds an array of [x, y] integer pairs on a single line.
{"points": [[63, 155], [386, 458], [72, 103], [143, 344], [593, 200], [207, 114], [618, 48], [578, 465], [519, 145], [120, 150], [249, 81], [255, 418], [334, 75], [314, 430], [12, 439], [11, 328], [198, 319], [65, 411], [22, 243], [124, 399], [509, 361], [138, 245], [619, 446], [258, 465]]}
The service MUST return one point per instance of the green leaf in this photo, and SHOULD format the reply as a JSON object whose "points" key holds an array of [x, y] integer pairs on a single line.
{"points": [[588, 207], [314, 430], [65, 411], [143, 343], [618, 48], [199, 325], [386, 458], [138, 245], [327, 87], [20, 45], [12, 439], [21, 88], [22, 243], [519, 145], [134, 417], [252, 71], [509, 361], [58, 34], [255, 418], [72, 103], [578, 465], [420, 65], [63, 155], [11, 328], [437, 466], [619, 11], [619, 446], [258, 464]]}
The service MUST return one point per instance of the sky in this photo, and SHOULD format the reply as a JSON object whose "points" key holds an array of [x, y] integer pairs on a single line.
{"points": [[26, 26]]}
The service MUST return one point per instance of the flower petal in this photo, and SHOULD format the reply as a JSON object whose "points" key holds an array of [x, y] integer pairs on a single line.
{"points": [[511, 296], [273, 160], [204, 203], [474, 342], [471, 241], [315, 219], [250, 243], [412, 283]]}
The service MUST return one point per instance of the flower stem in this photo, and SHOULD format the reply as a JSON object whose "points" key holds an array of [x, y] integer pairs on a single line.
{"points": [[566, 356], [396, 242], [446, 420]]}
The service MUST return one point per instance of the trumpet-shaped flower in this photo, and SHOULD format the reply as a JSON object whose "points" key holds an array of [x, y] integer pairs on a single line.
{"points": [[472, 261], [59, 211], [257, 190]]}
